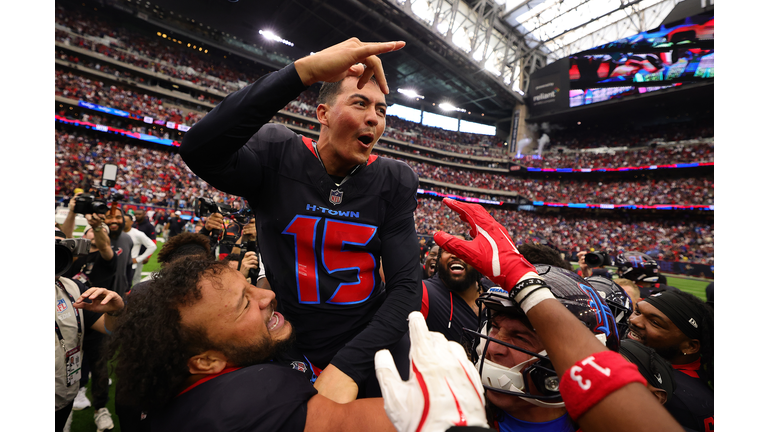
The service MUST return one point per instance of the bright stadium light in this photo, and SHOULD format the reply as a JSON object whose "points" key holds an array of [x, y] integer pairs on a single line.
{"points": [[410, 93], [448, 107], [272, 36]]}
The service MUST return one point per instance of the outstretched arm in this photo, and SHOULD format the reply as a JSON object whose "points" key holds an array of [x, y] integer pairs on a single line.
{"points": [[568, 342]]}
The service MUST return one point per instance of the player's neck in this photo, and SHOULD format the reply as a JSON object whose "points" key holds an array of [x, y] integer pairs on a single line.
{"points": [[470, 295], [330, 160]]}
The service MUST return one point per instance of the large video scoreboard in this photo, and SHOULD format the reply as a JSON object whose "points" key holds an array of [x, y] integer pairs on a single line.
{"points": [[669, 56]]}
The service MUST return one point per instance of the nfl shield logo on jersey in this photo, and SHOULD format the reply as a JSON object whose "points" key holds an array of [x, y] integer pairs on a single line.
{"points": [[335, 197], [299, 366]]}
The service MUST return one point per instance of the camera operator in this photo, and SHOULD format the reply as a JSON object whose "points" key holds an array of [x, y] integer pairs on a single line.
{"points": [[593, 264], [249, 262], [71, 327], [98, 268]]}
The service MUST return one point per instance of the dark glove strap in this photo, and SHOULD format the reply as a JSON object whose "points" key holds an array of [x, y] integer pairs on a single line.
{"points": [[523, 285]]}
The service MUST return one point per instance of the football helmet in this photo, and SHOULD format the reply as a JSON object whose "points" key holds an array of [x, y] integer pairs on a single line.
{"points": [[578, 296], [638, 267], [617, 299]]}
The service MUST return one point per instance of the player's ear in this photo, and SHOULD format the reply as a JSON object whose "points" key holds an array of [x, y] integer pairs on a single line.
{"points": [[322, 114], [207, 363], [690, 346], [660, 394]]}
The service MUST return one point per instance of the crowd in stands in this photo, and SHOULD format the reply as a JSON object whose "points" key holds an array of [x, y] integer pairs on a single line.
{"points": [[145, 176], [629, 135], [78, 87], [175, 60], [157, 177], [697, 191], [664, 239], [645, 156]]}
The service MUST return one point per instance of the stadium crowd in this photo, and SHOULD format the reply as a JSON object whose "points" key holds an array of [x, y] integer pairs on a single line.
{"points": [[175, 60], [699, 191], [194, 344]]}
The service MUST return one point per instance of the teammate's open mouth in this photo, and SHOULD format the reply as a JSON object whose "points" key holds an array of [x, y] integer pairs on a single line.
{"points": [[275, 321], [457, 268], [366, 139]]}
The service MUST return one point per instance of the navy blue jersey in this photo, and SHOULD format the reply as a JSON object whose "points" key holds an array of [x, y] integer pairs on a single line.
{"points": [[263, 397], [446, 312], [693, 403], [320, 242]]}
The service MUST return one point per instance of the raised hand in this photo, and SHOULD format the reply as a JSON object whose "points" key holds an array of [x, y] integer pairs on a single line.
{"points": [[491, 251], [102, 300], [349, 58]]}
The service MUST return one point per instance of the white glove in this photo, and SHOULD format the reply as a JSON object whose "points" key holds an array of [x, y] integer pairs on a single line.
{"points": [[444, 388]]}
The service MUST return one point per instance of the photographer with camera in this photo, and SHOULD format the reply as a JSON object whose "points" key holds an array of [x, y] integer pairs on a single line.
{"points": [[72, 326], [593, 264], [99, 266]]}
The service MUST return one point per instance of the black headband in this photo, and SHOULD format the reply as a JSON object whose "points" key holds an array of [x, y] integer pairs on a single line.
{"points": [[656, 370], [686, 316]]}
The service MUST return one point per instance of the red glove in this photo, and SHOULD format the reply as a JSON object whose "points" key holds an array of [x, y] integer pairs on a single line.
{"points": [[491, 252]]}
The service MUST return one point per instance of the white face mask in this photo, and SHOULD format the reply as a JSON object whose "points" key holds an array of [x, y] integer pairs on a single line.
{"points": [[501, 377]]}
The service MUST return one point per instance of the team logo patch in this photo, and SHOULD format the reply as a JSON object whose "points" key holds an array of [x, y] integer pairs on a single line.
{"points": [[119, 251], [299, 366], [61, 305], [335, 197]]}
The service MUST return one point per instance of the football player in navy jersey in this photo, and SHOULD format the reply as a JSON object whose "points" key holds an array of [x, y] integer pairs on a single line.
{"points": [[326, 211]]}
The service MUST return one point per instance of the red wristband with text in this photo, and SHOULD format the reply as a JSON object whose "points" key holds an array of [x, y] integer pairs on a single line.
{"points": [[590, 380]]}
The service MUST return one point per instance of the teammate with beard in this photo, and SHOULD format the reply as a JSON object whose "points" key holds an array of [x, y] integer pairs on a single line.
{"points": [[200, 349], [680, 327], [448, 301]]}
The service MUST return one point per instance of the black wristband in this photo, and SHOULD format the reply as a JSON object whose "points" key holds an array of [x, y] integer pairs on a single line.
{"points": [[523, 285]]}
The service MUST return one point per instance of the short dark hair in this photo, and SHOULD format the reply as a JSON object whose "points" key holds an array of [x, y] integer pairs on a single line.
{"points": [[175, 247], [329, 91], [537, 253], [150, 341]]}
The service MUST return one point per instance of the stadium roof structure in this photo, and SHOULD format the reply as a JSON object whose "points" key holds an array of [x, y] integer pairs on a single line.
{"points": [[476, 55]]}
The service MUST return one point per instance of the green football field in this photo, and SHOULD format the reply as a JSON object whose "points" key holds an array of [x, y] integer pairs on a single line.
{"points": [[82, 421]]}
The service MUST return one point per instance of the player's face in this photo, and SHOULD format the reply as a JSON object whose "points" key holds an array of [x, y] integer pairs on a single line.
{"points": [[429, 262], [236, 313], [652, 328], [454, 272], [353, 123], [512, 331]]}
